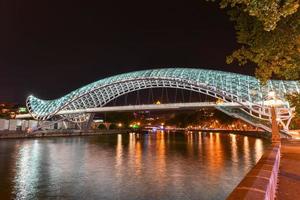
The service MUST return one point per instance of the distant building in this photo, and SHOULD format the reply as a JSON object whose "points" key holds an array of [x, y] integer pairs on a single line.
{"points": [[10, 110]]}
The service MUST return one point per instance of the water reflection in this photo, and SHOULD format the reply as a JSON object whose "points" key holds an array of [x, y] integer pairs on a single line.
{"points": [[258, 149], [128, 166], [27, 169], [234, 150], [119, 155], [246, 151]]}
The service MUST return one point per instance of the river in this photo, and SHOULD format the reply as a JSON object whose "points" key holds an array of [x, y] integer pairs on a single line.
{"points": [[127, 166]]}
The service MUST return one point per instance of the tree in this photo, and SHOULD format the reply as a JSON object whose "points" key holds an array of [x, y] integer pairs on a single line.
{"points": [[294, 100], [276, 53], [269, 34], [184, 119], [122, 117], [102, 126], [113, 126], [268, 12]]}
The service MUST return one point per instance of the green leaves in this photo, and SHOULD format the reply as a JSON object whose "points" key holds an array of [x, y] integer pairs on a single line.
{"points": [[268, 12], [269, 34]]}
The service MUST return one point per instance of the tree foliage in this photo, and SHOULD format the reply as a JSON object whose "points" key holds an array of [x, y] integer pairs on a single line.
{"points": [[295, 102], [102, 126], [113, 126], [268, 12], [269, 34], [184, 119], [276, 53], [122, 117]]}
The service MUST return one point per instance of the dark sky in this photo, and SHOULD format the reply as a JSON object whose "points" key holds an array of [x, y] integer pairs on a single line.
{"points": [[48, 48]]}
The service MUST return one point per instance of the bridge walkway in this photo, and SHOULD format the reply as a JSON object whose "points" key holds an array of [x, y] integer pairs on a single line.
{"points": [[289, 172]]}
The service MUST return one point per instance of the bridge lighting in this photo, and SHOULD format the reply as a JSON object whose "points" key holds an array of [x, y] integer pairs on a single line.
{"points": [[99, 93], [219, 101], [271, 95]]}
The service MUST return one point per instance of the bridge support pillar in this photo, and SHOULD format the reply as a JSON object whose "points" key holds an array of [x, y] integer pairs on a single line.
{"points": [[89, 121]]}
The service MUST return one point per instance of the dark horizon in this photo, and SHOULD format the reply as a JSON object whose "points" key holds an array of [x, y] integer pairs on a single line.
{"points": [[50, 48]]}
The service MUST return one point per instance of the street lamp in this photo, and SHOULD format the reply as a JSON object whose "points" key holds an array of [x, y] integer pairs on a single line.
{"points": [[275, 129]]}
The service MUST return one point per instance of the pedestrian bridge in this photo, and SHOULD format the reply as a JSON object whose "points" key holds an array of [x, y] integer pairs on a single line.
{"points": [[252, 97], [167, 106]]}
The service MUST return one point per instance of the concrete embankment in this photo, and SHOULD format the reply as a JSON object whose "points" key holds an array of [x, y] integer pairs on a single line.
{"points": [[289, 175], [57, 133], [258, 134], [261, 182]]}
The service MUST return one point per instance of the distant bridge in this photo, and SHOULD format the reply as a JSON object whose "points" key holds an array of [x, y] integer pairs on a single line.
{"points": [[247, 91]]}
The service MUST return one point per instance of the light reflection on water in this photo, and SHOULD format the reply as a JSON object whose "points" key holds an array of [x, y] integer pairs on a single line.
{"points": [[127, 166]]}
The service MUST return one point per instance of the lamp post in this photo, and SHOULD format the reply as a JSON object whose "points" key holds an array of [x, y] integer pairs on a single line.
{"points": [[275, 129]]}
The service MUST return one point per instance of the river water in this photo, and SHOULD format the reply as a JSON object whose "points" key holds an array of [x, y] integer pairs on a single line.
{"points": [[127, 166]]}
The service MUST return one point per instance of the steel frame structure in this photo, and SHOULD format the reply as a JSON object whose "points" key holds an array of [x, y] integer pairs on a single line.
{"points": [[230, 87]]}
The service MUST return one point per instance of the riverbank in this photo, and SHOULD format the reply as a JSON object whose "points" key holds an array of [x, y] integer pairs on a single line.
{"points": [[57, 133], [70, 133], [261, 180], [277, 174], [257, 134]]}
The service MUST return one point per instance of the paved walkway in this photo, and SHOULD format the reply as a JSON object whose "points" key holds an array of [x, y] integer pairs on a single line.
{"points": [[289, 175]]}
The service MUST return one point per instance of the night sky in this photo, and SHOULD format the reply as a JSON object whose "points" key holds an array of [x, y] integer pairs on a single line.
{"points": [[48, 48]]}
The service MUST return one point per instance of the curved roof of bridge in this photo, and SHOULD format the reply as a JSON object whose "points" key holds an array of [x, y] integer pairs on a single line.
{"points": [[231, 82]]}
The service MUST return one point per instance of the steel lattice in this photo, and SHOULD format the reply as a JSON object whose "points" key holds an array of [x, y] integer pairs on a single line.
{"points": [[230, 87]]}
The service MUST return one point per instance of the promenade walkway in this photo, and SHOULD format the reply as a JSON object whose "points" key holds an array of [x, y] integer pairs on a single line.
{"points": [[289, 174]]}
